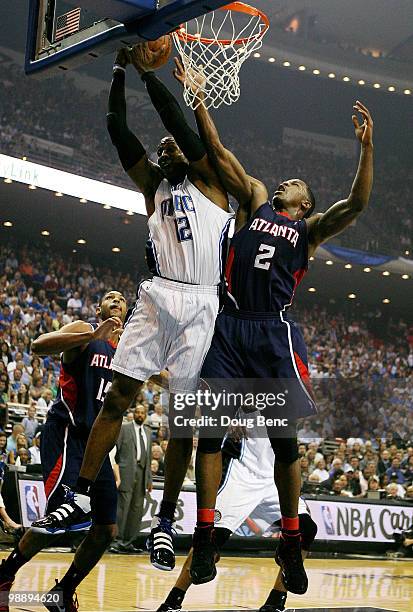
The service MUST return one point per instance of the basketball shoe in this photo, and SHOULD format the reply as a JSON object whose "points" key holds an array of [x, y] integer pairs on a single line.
{"points": [[6, 582], [168, 608], [288, 557], [160, 543], [72, 515], [269, 608], [204, 554], [62, 603]]}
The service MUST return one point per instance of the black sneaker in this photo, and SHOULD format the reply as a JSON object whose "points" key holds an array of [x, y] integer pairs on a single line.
{"points": [[58, 601], [204, 553], [269, 608], [6, 582], [72, 515], [288, 556], [160, 544], [168, 608]]}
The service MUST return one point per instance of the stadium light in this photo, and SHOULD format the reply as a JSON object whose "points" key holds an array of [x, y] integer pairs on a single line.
{"points": [[331, 75], [329, 262], [45, 233], [352, 296], [271, 60], [361, 82], [83, 201], [348, 266], [405, 276], [81, 241], [311, 258], [130, 213], [302, 68], [407, 92], [116, 250], [286, 64], [58, 194], [407, 252], [8, 180], [386, 301], [391, 88], [312, 289], [107, 207], [32, 187], [316, 71], [386, 273], [8, 224], [366, 269], [346, 79], [257, 54], [376, 85]]}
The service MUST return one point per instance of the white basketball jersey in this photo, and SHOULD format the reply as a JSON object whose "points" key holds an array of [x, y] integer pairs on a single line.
{"points": [[187, 234]]}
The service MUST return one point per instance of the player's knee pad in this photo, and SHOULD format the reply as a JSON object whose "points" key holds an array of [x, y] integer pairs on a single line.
{"points": [[285, 449], [222, 535], [209, 445], [308, 530]]}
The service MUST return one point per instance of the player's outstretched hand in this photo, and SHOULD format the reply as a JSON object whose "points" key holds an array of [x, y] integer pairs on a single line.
{"points": [[108, 329], [364, 132], [194, 79], [123, 57]]}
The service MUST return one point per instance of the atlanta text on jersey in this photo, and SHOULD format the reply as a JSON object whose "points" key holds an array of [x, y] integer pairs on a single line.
{"points": [[262, 225]]}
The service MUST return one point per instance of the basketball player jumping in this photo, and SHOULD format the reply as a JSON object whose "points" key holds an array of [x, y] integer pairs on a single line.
{"points": [[247, 483], [253, 336], [85, 377], [173, 321]]}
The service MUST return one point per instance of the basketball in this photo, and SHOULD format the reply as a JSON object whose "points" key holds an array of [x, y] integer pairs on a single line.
{"points": [[154, 53]]}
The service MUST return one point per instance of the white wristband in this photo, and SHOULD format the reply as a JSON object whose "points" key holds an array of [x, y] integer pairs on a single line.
{"points": [[118, 67]]}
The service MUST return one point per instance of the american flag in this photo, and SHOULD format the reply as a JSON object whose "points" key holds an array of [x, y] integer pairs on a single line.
{"points": [[67, 24]]}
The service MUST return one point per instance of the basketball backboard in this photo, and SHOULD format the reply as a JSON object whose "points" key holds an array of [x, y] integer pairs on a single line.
{"points": [[63, 34]]}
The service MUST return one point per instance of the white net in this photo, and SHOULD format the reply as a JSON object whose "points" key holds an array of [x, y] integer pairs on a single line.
{"points": [[215, 46]]}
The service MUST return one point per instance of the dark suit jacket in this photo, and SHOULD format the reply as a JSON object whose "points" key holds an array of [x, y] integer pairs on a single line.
{"points": [[126, 456]]}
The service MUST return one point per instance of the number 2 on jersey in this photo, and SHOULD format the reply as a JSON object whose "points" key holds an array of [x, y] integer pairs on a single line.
{"points": [[183, 229], [265, 252]]}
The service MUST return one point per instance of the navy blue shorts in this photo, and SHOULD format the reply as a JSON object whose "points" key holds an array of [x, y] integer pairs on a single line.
{"points": [[62, 451], [269, 348]]}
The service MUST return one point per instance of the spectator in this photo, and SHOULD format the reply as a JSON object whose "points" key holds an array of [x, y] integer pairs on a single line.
{"points": [[154, 467], [30, 423], [393, 492], [384, 462], [158, 455], [34, 449], [157, 418], [394, 471], [11, 442], [306, 434], [320, 473], [23, 456], [45, 401], [7, 523]]}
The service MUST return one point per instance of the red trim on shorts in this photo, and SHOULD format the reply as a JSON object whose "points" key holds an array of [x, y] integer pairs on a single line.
{"points": [[304, 374], [228, 268], [53, 476]]}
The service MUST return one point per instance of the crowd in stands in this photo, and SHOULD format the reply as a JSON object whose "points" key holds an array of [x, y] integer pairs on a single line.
{"points": [[362, 378], [32, 108]]}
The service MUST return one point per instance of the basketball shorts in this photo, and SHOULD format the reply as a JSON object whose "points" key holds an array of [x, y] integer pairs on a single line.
{"points": [[170, 328], [263, 354], [62, 453], [244, 495]]}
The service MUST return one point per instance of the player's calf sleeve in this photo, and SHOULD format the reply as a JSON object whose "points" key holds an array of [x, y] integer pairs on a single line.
{"points": [[308, 529]]}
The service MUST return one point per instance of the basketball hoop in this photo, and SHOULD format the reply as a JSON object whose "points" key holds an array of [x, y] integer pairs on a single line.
{"points": [[204, 51]]}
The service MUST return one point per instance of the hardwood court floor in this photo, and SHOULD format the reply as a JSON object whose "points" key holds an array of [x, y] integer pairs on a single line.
{"points": [[129, 583]]}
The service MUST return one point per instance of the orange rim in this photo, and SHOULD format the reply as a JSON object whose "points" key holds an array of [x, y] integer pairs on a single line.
{"points": [[239, 7]]}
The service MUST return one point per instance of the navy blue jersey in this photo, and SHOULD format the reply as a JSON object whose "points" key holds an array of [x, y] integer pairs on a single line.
{"points": [[83, 385], [267, 259]]}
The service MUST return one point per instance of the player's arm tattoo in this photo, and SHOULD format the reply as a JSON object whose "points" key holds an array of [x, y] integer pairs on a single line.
{"points": [[339, 216], [132, 154]]}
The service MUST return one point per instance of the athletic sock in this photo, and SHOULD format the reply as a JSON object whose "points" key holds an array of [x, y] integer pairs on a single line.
{"points": [[277, 599], [83, 485], [205, 517], [13, 563], [290, 527], [175, 598], [167, 510], [72, 579]]}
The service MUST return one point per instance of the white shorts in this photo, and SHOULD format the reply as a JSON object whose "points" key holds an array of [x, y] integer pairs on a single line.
{"points": [[244, 492], [171, 327]]}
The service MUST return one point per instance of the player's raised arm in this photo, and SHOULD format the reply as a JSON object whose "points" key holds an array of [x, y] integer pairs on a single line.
{"points": [[175, 123], [230, 170], [73, 338], [339, 216], [145, 174]]}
